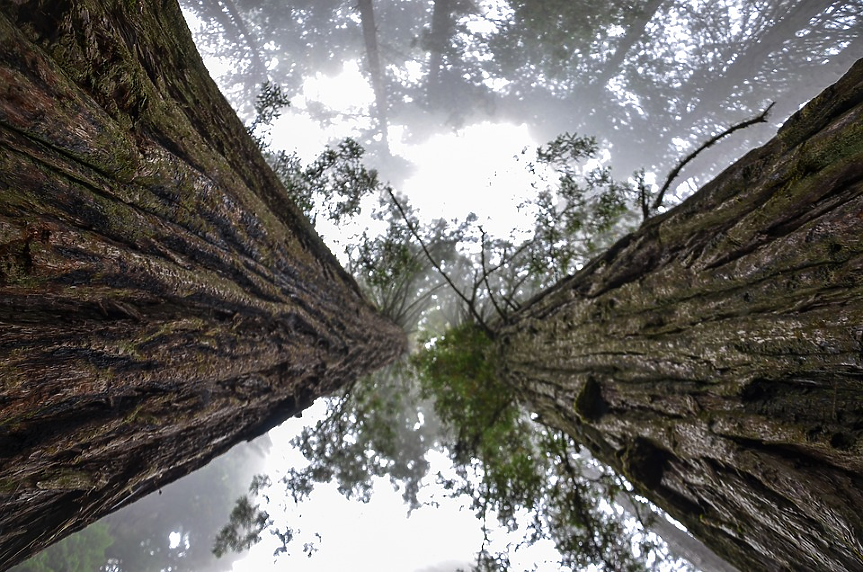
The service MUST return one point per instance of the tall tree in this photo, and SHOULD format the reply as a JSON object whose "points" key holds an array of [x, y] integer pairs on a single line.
{"points": [[634, 33], [161, 299], [714, 356], [376, 70]]}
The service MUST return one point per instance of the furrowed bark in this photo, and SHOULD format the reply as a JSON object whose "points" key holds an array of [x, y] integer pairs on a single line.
{"points": [[160, 297], [715, 356]]}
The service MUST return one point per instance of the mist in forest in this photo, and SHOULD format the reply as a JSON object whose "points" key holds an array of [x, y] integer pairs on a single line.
{"points": [[481, 84]]}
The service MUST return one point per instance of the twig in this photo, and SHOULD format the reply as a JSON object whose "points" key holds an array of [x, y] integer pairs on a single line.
{"points": [[485, 274], [762, 118], [643, 198], [459, 293]]}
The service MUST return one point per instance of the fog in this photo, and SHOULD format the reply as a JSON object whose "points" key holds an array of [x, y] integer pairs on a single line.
{"points": [[450, 99]]}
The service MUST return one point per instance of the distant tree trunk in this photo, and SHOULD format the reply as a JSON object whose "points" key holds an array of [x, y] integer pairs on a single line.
{"points": [[160, 297], [376, 72], [715, 356], [632, 36], [680, 543], [236, 32], [439, 38], [259, 70]]}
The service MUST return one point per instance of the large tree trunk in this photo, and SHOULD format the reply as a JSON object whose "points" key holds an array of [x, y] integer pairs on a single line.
{"points": [[160, 297], [715, 356]]}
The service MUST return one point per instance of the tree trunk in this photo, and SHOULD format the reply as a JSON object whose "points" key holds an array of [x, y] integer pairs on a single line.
{"points": [[160, 298], [439, 39], [633, 35], [376, 71], [237, 27], [715, 356]]}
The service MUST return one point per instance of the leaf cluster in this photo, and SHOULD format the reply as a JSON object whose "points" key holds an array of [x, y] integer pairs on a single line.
{"points": [[582, 209], [244, 527], [333, 185], [520, 473], [375, 429]]}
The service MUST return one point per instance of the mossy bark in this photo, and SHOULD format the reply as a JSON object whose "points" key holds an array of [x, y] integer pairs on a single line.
{"points": [[715, 356], [160, 298]]}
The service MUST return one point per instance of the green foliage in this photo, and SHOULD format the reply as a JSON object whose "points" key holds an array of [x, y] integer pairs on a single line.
{"points": [[397, 273], [244, 527], [334, 184], [268, 107], [583, 210], [269, 103], [374, 429], [456, 370], [81, 552], [337, 179]]}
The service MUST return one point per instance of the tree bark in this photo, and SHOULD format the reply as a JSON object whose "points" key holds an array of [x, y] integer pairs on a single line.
{"points": [[715, 356], [160, 297]]}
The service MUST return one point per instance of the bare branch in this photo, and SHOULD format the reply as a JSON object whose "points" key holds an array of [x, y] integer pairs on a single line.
{"points": [[470, 303], [762, 118]]}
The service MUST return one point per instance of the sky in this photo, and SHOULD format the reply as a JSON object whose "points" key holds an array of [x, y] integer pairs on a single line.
{"points": [[379, 535], [454, 172], [355, 536]]}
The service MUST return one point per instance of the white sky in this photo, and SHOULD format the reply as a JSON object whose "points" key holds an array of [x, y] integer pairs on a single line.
{"points": [[471, 170], [378, 536]]}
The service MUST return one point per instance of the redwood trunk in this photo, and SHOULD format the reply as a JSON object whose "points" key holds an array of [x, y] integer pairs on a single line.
{"points": [[376, 70], [715, 356], [160, 297], [633, 35]]}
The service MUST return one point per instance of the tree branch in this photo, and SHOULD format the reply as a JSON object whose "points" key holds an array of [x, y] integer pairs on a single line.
{"points": [[485, 274], [470, 304], [762, 118]]}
